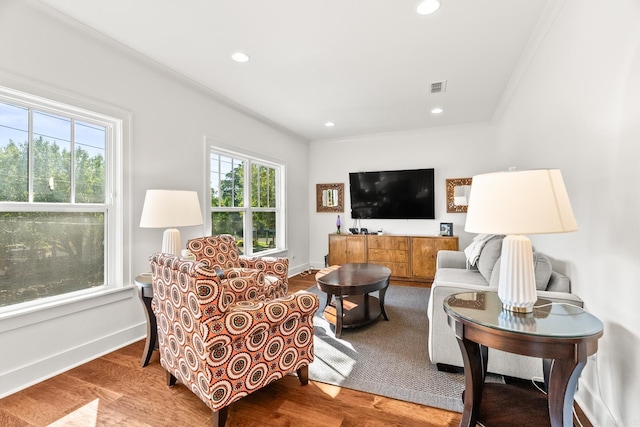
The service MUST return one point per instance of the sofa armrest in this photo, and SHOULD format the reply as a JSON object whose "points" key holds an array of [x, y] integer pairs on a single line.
{"points": [[559, 283], [451, 259]]}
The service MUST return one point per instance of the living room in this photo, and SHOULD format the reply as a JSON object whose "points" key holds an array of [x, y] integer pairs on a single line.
{"points": [[572, 103]]}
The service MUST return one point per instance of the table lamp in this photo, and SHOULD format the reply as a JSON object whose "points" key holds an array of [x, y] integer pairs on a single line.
{"points": [[516, 203], [170, 209]]}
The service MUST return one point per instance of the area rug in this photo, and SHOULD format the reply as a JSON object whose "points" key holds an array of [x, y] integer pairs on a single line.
{"points": [[387, 358]]}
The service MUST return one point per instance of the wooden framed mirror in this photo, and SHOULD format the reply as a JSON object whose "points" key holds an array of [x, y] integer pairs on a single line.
{"points": [[330, 197], [458, 190]]}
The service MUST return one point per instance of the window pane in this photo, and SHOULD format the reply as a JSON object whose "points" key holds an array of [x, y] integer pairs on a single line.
{"points": [[264, 231], [90, 143], [44, 254], [52, 158], [229, 223], [14, 153], [232, 182], [263, 186], [214, 180]]}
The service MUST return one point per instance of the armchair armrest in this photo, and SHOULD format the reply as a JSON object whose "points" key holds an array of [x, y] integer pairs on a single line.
{"points": [[273, 266], [241, 284]]}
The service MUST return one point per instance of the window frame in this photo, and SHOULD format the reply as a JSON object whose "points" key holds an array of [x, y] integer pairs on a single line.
{"points": [[115, 122], [219, 147]]}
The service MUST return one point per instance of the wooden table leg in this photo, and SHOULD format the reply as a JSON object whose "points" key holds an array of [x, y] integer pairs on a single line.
{"points": [[563, 382], [152, 331], [339, 313], [473, 381], [381, 295]]}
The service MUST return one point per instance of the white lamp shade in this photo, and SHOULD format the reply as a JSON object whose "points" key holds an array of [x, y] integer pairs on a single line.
{"points": [[519, 202], [170, 208]]}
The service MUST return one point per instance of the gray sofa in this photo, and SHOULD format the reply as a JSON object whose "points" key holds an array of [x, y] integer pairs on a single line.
{"points": [[453, 276]]}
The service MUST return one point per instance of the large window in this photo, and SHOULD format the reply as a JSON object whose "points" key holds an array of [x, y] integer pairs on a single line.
{"points": [[246, 200], [55, 209]]}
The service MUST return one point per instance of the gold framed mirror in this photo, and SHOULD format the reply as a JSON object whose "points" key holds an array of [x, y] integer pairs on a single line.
{"points": [[330, 197], [458, 190]]}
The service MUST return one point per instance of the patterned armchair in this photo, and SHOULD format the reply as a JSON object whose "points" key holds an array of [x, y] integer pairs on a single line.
{"points": [[222, 350], [221, 253]]}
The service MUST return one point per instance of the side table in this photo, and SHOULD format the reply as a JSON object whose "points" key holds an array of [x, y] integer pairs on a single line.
{"points": [[145, 290], [563, 335]]}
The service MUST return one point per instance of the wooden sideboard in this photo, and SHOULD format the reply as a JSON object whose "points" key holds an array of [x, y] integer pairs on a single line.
{"points": [[408, 257]]}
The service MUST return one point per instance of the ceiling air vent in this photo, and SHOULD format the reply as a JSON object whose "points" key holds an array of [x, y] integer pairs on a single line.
{"points": [[438, 87]]}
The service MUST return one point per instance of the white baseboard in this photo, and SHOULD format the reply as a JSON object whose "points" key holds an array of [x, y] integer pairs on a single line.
{"points": [[593, 407], [33, 373]]}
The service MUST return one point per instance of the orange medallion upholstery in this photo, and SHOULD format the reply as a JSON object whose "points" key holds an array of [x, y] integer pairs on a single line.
{"points": [[222, 346], [221, 252]]}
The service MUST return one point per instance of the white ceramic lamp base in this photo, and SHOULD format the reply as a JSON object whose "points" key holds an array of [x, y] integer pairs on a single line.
{"points": [[171, 242], [517, 284]]}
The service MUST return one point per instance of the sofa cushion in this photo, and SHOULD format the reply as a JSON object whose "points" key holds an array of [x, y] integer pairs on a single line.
{"points": [[490, 254], [541, 268]]}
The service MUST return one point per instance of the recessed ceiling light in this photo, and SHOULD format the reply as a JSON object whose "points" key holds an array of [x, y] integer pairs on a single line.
{"points": [[427, 7], [240, 57], [436, 110], [329, 124]]}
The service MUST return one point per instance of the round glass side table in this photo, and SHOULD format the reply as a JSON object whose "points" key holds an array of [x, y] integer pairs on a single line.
{"points": [[563, 335]]}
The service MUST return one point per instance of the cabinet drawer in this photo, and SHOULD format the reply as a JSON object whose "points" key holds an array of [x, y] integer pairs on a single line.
{"points": [[398, 269], [388, 255], [389, 242]]}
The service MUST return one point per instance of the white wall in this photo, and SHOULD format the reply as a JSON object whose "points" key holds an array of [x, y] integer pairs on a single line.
{"points": [[455, 152], [578, 109], [42, 52]]}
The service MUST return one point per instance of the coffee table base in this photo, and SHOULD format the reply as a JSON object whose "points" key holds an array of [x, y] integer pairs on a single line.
{"points": [[357, 310]]}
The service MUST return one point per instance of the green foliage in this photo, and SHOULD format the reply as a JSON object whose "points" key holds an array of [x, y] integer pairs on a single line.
{"points": [[14, 168], [49, 253], [51, 173]]}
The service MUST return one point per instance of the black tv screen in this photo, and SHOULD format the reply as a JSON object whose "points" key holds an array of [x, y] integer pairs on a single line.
{"points": [[399, 194]]}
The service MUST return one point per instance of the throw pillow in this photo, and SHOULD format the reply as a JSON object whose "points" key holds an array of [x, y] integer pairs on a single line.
{"points": [[541, 270], [490, 254]]}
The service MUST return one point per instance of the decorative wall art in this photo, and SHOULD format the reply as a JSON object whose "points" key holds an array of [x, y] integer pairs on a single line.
{"points": [[330, 197], [458, 190]]}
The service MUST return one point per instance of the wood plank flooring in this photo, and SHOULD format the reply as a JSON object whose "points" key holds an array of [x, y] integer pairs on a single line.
{"points": [[114, 390]]}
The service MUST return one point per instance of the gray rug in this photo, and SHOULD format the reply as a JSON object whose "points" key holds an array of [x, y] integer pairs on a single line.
{"points": [[386, 358]]}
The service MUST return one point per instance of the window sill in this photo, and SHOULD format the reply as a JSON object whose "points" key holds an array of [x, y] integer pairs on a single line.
{"points": [[25, 316]]}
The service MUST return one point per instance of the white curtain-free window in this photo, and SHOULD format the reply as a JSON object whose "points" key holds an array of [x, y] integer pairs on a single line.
{"points": [[57, 213]]}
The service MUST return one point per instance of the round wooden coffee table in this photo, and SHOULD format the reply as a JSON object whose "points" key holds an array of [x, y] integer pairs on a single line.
{"points": [[351, 285]]}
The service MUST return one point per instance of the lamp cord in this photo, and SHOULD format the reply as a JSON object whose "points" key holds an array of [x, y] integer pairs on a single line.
{"points": [[559, 303]]}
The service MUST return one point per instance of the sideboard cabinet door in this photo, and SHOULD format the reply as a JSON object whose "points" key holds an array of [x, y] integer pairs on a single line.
{"points": [[423, 254], [346, 249]]}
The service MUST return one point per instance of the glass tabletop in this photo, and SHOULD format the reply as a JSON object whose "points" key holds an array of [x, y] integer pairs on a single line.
{"points": [[550, 319]]}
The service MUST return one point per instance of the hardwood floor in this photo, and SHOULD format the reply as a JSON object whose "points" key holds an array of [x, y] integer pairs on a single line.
{"points": [[114, 390]]}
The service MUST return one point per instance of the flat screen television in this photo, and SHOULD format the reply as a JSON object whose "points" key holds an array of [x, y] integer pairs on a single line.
{"points": [[397, 194]]}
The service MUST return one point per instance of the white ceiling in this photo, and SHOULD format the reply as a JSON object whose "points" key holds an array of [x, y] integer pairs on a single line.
{"points": [[366, 65]]}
